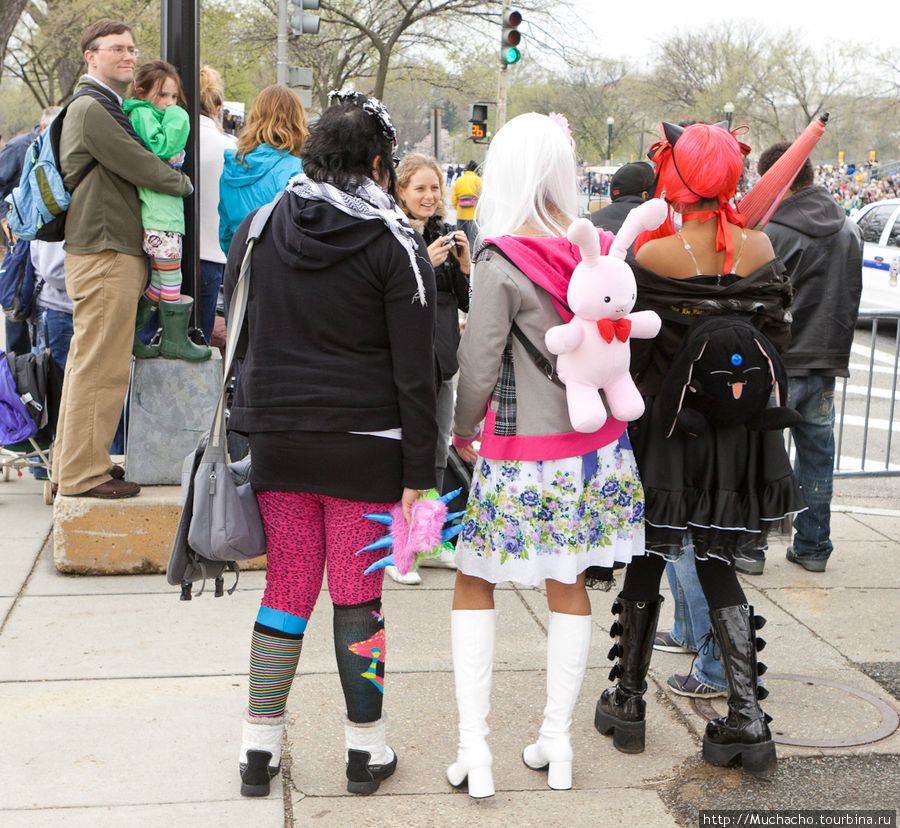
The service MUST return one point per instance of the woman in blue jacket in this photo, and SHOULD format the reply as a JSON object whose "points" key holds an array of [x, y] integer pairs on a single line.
{"points": [[266, 157]]}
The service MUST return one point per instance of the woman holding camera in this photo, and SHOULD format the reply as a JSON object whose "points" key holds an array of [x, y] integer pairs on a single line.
{"points": [[421, 195]]}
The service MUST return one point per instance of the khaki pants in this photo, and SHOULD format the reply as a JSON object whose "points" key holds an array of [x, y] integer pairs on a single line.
{"points": [[105, 288]]}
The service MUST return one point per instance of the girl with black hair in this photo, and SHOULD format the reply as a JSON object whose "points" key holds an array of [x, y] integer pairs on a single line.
{"points": [[337, 377]]}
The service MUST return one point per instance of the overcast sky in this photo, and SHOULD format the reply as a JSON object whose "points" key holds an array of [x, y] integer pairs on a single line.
{"points": [[629, 29]]}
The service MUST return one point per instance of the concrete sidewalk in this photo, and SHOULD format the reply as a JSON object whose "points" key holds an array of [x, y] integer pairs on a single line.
{"points": [[120, 705]]}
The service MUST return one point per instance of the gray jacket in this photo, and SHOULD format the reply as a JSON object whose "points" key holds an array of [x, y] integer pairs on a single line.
{"points": [[501, 293]]}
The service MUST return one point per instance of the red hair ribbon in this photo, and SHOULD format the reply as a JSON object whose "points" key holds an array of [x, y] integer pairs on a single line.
{"points": [[620, 329], [725, 214]]}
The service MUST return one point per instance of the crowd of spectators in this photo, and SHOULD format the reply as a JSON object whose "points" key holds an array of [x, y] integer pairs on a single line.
{"points": [[853, 187], [857, 188]]}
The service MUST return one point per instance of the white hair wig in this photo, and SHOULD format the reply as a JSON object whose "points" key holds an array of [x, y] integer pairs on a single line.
{"points": [[529, 178]]}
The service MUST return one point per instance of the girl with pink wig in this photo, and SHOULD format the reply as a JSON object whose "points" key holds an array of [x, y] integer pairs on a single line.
{"points": [[712, 494]]}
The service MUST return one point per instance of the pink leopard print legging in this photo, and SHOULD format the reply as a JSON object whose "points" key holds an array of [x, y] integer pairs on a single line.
{"points": [[307, 534]]}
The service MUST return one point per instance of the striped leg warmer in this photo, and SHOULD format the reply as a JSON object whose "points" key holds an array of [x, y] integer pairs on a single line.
{"points": [[274, 651]]}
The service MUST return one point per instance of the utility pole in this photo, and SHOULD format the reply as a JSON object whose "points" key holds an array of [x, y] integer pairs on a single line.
{"points": [[180, 45], [436, 134], [281, 59]]}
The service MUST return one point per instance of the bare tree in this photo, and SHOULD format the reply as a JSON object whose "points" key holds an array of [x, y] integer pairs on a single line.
{"points": [[10, 12], [45, 49]]}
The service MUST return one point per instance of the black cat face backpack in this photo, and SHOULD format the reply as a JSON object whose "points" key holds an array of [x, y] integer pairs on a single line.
{"points": [[724, 374]]}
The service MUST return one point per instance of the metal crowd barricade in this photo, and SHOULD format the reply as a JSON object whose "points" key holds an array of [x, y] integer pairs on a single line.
{"points": [[875, 453]]}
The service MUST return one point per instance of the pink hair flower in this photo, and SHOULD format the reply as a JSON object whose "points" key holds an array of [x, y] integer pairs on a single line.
{"points": [[563, 123]]}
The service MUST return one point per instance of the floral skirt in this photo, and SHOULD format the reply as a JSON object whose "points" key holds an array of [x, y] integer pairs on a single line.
{"points": [[530, 520]]}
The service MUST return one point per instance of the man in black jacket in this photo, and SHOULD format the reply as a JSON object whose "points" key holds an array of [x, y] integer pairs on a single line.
{"points": [[632, 184], [822, 251]]}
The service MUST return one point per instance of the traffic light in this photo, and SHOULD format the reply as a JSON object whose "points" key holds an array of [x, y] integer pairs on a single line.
{"points": [[302, 23], [510, 38], [478, 121]]}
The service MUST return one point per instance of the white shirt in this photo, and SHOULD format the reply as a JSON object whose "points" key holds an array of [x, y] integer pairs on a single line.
{"points": [[213, 144]]}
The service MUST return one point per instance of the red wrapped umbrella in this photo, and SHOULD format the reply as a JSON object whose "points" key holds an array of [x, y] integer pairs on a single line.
{"points": [[764, 197]]}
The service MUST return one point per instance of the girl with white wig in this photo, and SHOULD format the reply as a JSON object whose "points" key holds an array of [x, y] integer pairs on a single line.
{"points": [[547, 502]]}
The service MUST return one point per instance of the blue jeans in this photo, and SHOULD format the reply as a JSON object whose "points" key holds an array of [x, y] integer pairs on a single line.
{"points": [[55, 333], [470, 228], [210, 282], [813, 439], [692, 619]]}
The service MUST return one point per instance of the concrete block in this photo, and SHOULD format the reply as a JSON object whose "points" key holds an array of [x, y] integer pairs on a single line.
{"points": [[118, 537], [171, 403]]}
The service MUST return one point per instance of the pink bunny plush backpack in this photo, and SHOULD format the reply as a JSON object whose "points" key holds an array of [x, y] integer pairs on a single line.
{"points": [[593, 348]]}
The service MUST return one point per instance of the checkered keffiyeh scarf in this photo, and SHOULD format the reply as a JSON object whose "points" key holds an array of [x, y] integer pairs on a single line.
{"points": [[367, 201]]}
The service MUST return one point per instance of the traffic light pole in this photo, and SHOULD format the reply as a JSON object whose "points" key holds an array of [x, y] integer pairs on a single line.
{"points": [[502, 88], [502, 82], [281, 60]]}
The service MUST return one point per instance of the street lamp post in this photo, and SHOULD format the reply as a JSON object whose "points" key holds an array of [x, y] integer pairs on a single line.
{"points": [[609, 125], [729, 111]]}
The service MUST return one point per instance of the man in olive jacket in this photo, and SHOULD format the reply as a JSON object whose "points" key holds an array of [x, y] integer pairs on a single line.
{"points": [[105, 267]]}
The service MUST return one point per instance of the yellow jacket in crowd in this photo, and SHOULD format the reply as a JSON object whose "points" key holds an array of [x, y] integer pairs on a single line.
{"points": [[465, 195]]}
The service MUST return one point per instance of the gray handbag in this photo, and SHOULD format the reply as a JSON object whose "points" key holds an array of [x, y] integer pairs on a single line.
{"points": [[225, 523]]}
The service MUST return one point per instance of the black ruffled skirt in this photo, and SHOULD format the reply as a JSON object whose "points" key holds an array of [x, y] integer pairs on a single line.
{"points": [[730, 486]]}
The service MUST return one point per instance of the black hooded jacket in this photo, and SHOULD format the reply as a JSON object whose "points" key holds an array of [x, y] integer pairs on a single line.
{"points": [[822, 251], [337, 344]]}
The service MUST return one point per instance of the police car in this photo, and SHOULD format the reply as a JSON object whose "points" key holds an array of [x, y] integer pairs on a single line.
{"points": [[879, 223]]}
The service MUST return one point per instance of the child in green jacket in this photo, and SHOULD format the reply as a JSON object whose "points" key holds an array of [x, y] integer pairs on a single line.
{"points": [[164, 127]]}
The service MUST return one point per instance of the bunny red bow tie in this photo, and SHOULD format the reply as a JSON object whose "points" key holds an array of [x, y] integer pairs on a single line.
{"points": [[620, 329]]}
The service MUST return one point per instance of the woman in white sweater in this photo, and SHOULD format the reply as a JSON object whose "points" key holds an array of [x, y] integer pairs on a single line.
{"points": [[213, 143]]}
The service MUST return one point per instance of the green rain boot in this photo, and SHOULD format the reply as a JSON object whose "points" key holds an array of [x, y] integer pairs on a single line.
{"points": [[175, 343], [145, 310]]}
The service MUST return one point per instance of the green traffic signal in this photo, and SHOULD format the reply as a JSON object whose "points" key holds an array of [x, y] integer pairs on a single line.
{"points": [[511, 55], [510, 37]]}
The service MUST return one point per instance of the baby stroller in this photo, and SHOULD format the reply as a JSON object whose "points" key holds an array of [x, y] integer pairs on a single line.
{"points": [[30, 386]]}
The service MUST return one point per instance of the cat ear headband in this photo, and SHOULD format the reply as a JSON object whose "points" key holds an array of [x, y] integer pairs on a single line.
{"points": [[673, 132], [372, 106]]}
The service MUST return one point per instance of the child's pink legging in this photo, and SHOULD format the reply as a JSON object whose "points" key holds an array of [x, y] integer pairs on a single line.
{"points": [[307, 534]]}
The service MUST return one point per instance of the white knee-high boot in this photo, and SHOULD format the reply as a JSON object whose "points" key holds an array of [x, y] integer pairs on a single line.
{"points": [[568, 643], [472, 643]]}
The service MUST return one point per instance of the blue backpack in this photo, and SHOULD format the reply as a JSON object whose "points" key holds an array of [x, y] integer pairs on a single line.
{"points": [[37, 207], [18, 291]]}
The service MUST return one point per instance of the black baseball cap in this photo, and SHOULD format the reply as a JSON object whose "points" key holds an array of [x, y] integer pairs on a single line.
{"points": [[632, 179]]}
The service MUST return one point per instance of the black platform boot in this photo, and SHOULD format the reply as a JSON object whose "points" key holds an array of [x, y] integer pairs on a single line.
{"points": [[744, 733], [621, 708]]}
